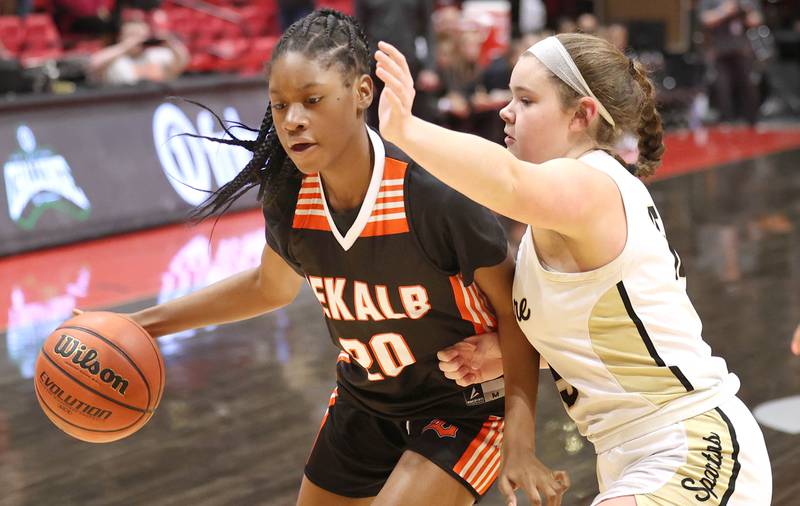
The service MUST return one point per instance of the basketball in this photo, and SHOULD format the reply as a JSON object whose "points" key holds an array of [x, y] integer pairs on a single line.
{"points": [[99, 377]]}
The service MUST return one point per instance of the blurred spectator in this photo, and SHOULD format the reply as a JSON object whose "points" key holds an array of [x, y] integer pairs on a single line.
{"points": [[492, 93], [406, 24], [449, 65], [566, 25], [587, 23], [139, 55], [11, 74], [93, 17], [458, 67], [447, 21], [730, 56], [15, 7], [530, 18], [617, 34], [292, 10]]}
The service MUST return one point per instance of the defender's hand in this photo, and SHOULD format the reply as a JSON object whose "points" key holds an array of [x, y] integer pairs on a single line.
{"points": [[474, 360], [394, 108], [521, 469]]}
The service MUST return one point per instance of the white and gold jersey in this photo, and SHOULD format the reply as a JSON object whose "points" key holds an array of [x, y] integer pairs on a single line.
{"points": [[623, 341]]}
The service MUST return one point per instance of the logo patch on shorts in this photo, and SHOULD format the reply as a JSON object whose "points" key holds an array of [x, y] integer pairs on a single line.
{"points": [[442, 428]]}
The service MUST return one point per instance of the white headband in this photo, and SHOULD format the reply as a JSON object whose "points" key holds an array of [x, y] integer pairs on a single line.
{"points": [[552, 53]]}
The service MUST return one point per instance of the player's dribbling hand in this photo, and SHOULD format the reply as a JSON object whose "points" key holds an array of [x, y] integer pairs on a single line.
{"points": [[521, 469], [394, 108], [474, 360]]}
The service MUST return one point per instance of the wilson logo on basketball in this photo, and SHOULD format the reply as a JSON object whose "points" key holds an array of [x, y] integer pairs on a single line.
{"points": [[442, 428], [68, 346]]}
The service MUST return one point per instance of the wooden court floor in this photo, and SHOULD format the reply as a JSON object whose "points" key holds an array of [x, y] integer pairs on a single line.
{"points": [[243, 402]]}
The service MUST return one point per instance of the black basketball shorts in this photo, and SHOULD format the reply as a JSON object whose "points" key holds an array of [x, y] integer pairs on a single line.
{"points": [[355, 451]]}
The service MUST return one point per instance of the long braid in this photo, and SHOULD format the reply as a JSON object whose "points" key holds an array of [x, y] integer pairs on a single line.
{"points": [[245, 179], [651, 132], [326, 35]]}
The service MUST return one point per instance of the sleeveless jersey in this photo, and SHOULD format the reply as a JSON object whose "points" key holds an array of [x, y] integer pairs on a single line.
{"points": [[623, 341], [396, 287]]}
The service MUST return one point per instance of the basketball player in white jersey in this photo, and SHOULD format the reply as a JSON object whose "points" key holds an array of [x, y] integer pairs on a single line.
{"points": [[598, 290]]}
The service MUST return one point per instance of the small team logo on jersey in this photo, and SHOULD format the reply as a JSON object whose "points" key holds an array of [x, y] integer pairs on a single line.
{"points": [[473, 396], [442, 428], [487, 391]]}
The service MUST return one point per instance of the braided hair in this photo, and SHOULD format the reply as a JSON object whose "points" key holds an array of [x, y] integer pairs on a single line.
{"points": [[329, 37]]}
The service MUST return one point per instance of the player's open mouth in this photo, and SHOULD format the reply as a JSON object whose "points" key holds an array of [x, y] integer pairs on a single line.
{"points": [[302, 146]]}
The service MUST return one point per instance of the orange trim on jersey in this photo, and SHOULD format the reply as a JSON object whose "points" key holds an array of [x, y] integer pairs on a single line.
{"points": [[484, 308], [343, 357], [480, 464], [394, 169], [398, 222], [472, 305], [386, 200], [387, 227], [389, 210], [313, 202], [311, 222]]}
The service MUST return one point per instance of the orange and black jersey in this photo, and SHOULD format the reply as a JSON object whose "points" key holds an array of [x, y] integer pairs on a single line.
{"points": [[396, 285]]}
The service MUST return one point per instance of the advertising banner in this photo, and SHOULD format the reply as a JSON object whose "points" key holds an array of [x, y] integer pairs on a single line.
{"points": [[77, 171]]}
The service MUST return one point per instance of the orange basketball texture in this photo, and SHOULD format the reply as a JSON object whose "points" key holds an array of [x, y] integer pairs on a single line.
{"points": [[99, 377]]}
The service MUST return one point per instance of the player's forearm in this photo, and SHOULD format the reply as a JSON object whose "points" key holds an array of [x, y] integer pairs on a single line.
{"points": [[521, 372], [481, 170], [238, 297]]}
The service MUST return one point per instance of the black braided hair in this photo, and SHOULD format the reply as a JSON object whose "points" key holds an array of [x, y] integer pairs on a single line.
{"points": [[329, 37]]}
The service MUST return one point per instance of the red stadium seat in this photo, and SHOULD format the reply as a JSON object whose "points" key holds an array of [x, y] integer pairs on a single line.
{"points": [[33, 57], [40, 33], [259, 54], [12, 33], [230, 53], [201, 62], [345, 6], [85, 47]]}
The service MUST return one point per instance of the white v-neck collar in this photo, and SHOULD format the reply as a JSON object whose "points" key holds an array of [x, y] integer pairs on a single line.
{"points": [[347, 241]]}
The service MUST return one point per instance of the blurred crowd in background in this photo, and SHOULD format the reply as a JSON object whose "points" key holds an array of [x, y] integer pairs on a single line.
{"points": [[740, 63]]}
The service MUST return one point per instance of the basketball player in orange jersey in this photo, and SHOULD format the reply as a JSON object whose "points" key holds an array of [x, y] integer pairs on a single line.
{"points": [[402, 266], [597, 289]]}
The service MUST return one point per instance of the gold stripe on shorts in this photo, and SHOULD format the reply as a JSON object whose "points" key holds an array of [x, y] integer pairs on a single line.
{"points": [[712, 465]]}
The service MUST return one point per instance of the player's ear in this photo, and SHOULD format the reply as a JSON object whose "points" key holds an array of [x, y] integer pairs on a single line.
{"points": [[364, 89]]}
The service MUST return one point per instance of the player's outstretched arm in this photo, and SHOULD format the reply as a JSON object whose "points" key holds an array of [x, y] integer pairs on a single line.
{"points": [[796, 341], [563, 195], [250, 293]]}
